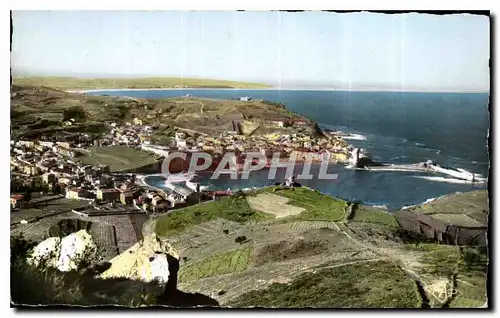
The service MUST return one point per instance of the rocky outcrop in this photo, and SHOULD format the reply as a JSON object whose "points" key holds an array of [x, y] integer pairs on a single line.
{"points": [[354, 158], [156, 269], [66, 254], [148, 260]]}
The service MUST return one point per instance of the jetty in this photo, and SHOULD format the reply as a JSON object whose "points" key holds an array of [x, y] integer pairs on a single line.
{"points": [[424, 167]]}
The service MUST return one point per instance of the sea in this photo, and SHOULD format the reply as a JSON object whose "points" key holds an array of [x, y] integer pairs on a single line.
{"points": [[394, 127]]}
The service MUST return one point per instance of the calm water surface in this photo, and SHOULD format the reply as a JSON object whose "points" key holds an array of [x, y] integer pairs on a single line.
{"points": [[449, 128]]}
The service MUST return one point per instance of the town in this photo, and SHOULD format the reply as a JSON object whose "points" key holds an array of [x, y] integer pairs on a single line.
{"points": [[55, 165]]}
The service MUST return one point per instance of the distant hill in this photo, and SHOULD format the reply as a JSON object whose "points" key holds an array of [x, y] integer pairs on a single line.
{"points": [[74, 83], [39, 108]]}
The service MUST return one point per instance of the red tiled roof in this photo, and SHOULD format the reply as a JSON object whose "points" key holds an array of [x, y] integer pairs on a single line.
{"points": [[110, 190], [17, 196], [221, 193]]}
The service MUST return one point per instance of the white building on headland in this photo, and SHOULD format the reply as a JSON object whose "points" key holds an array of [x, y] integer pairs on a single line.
{"points": [[180, 140], [156, 149]]}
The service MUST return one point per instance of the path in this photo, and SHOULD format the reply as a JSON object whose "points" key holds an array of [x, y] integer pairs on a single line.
{"points": [[350, 263], [148, 227], [201, 108], [406, 261]]}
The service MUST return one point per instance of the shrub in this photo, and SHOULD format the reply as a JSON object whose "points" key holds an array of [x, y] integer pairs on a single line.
{"points": [[240, 239], [77, 113]]}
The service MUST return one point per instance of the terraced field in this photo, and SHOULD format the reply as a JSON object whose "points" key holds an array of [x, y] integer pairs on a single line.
{"points": [[125, 233], [218, 264], [279, 253], [258, 278], [204, 234], [113, 233], [308, 225], [212, 262]]}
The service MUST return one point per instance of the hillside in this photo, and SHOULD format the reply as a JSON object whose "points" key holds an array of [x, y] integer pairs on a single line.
{"points": [[74, 83], [245, 251], [36, 109], [280, 247]]}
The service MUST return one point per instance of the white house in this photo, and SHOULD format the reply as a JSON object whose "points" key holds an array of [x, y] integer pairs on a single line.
{"points": [[179, 140]]}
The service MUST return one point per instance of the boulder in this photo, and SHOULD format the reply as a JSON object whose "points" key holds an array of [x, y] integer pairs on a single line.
{"points": [[66, 254], [156, 269], [76, 249], [147, 261]]}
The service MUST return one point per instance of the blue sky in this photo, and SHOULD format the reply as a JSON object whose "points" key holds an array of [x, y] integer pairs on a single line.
{"points": [[307, 49]]}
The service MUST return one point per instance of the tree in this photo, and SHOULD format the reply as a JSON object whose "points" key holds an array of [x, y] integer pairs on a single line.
{"points": [[77, 113], [56, 188], [27, 196]]}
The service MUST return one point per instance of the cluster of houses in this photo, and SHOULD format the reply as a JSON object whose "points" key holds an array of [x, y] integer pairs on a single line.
{"points": [[296, 142], [56, 163], [131, 134], [32, 157], [54, 159]]}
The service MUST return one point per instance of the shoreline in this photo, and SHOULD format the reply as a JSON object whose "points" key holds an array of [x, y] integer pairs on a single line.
{"points": [[158, 89], [276, 88], [379, 205]]}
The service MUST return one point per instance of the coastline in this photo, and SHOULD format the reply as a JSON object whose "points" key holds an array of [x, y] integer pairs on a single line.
{"points": [[275, 88], [157, 89]]}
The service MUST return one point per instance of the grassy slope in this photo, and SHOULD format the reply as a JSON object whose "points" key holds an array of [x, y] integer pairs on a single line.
{"points": [[468, 265], [73, 83], [230, 208], [319, 207], [355, 286], [372, 215], [459, 208]]}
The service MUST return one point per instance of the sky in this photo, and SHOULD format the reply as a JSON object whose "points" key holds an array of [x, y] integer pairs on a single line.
{"points": [[360, 50]]}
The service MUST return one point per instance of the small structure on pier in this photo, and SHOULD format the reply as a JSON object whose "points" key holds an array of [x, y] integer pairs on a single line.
{"points": [[354, 159]]}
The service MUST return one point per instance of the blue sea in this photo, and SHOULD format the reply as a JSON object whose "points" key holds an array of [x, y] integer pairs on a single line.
{"points": [[398, 127]]}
